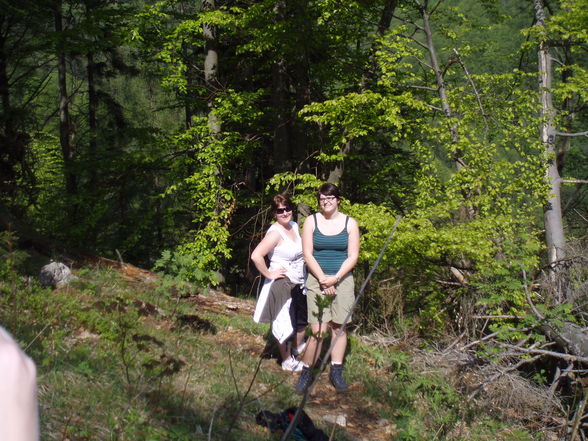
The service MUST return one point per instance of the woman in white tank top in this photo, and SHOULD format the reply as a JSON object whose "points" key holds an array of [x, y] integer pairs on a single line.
{"points": [[281, 301]]}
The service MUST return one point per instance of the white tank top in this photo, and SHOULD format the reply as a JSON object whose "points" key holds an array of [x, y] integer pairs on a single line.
{"points": [[288, 254]]}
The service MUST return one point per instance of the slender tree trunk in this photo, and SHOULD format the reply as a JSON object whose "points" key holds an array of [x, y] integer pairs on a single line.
{"points": [[211, 68], [7, 176], [5, 87], [554, 231], [92, 96], [441, 87], [92, 105], [282, 153], [64, 120]]}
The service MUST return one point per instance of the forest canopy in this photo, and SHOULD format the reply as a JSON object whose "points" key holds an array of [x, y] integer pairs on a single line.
{"points": [[158, 131]]}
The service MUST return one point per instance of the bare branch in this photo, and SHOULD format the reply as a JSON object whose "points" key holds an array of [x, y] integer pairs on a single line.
{"points": [[529, 301], [578, 416], [580, 214], [420, 43], [575, 181], [490, 336], [434, 8], [567, 357], [471, 81], [499, 317], [585, 133], [409, 21], [432, 89]]}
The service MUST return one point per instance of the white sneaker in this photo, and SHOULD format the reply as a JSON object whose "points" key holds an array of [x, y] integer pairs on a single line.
{"points": [[299, 350], [292, 365]]}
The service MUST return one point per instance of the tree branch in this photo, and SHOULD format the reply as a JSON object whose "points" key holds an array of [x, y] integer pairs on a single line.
{"points": [[471, 81], [575, 181], [585, 133], [567, 357], [529, 301]]}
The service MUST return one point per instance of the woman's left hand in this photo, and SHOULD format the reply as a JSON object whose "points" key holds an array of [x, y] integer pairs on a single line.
{"points": [[328, 281]]}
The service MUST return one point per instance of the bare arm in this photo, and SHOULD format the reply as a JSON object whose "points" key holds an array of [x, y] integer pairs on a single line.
{"points": [[269, 242], [308, 249]]}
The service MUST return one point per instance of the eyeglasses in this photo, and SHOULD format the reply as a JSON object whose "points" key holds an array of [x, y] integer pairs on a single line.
{"points": [[283, 210], [328, 199]]}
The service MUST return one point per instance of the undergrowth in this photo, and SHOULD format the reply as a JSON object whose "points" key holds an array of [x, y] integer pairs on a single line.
{"points": [[117, 361]]}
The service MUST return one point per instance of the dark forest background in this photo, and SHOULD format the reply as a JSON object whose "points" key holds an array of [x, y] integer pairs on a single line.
{"points": [[156, 132]]}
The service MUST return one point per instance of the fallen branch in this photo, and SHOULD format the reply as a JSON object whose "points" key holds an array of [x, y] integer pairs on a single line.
{"points": [[566, 357], [578, 416]]}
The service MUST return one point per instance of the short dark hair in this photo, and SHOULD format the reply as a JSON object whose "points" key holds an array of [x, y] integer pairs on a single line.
{"points": [[328, 189], [282, 199]]}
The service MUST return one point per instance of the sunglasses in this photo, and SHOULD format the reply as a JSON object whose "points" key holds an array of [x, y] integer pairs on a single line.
{"points": [[283, 210]]}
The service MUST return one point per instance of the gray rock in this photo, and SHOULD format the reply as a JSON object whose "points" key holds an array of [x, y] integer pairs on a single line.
{"points": [[340, 419], [55, 274]]}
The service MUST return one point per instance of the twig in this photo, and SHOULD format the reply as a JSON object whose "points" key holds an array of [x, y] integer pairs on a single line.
{"points": [[578, 416], [456, 341], [557, 377], [489, 336], [233, 375], [333, 431], [211, 422], [471, 81], [36, 336], [242, 400], [529, 301], [499, 317], [120, 259]]}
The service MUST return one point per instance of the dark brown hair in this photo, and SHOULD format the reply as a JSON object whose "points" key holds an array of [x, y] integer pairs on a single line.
{"points": [[278, 199], [327, 189]]}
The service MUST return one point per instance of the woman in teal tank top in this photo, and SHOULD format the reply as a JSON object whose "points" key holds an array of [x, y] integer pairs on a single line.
{"points": [[330, 243]]}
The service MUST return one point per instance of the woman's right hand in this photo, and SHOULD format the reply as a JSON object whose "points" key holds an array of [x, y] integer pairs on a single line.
{"points": [[329, 291]]}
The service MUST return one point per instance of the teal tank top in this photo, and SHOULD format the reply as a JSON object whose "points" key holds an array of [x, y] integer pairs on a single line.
{"points": [[330, 251]]}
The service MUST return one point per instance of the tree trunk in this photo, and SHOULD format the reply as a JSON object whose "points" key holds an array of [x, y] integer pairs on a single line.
{"points": [[282, 154], [441, 88], [554, 232], [8, 160], [211, 68], [92, 106], [64, 120]]}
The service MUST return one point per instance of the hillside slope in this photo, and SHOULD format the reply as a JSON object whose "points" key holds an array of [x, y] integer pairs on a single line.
{"points": [[124, 354]]}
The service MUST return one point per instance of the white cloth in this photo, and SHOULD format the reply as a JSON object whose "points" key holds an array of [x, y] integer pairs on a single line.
{"points": [[287, 255]]}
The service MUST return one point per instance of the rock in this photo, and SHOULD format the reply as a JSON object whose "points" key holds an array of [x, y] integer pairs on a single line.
{"points": [[340, 419], [55, 274]]}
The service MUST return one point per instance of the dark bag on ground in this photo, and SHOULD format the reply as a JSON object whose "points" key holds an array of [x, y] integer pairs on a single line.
{"points": [[305, 429]]}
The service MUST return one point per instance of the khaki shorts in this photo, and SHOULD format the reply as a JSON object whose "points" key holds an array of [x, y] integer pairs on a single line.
{"points": [[338, 309]]}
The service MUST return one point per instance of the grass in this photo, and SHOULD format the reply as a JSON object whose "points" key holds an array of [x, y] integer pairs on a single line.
{"points": [[115, 363]]}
